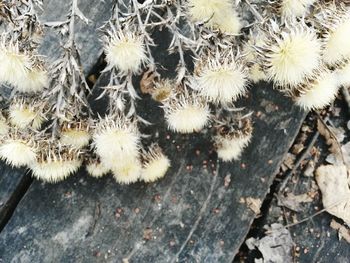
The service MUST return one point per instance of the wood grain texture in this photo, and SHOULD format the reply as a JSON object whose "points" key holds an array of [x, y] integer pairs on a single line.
{"points": [[189, 216], [12, 181]]}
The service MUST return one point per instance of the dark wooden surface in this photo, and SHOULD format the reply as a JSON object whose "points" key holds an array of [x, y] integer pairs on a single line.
{"points": [[13, 181], [195, 214], [189, 216]]}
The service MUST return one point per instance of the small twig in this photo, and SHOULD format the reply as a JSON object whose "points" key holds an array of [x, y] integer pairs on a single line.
{"points": [[254, 11]]}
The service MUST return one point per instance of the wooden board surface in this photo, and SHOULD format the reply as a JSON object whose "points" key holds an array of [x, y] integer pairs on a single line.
{"points": [[13, 181], [195, 214]]}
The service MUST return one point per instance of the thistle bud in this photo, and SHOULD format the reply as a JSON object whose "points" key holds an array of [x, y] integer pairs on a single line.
{"points": [[115, 139], [127, 171], [18, 150], [336, 21], [186, 113], [291, 54], [24, 115], [155, 164], [216, 14], [96, 169], [317, 92], [55, 163], [75, 134], [14, 64], [220, 78], [295, 8], [232, 137], [125, 51]]}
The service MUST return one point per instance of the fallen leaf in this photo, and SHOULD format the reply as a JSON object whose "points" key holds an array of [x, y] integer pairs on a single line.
{"points": [[343, 231], [275, 247], [294, 202], [333, 182]]}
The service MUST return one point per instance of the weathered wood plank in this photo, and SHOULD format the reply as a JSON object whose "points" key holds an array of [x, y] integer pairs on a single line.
{"points": [[191, 215], [12, 181]]}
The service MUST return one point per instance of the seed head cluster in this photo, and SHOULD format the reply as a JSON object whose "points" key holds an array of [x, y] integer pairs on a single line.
{"points": [[223, 49]]}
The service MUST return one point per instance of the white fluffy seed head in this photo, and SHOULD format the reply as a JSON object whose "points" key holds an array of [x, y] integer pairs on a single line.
{"points": [[295, 8], [14, 64], [116, 138], [337, 45], [53, 171], [292, 55], [217, 14], [343, 74], [17, 152], [33, 81], [55, 162], [23, 115], [220, 80], [75, 138], [125, 51], [96, 169], [155, 164], [231, 148], [319, 92], [127, 171], [234, 134], [186, 113]]}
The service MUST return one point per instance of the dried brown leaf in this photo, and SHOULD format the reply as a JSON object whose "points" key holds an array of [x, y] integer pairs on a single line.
{"points": [[333, 182]]}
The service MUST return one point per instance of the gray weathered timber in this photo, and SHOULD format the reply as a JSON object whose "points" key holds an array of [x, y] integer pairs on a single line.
{"points": [[12, 183], [89, 46], [87, 36], [195, 214]]}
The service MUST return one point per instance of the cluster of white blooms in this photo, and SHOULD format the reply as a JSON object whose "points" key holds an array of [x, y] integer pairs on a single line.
{"points": [[301, 46]]}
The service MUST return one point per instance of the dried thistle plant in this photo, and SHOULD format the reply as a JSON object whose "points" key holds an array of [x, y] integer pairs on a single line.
{"points": [[47, 124]]}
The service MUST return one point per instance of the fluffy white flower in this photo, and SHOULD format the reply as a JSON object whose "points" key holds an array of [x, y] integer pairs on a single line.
{"points": [[75, 138], [186, 113], [14, 64], [22, 116], [234, 134], [319, 92], [116, 139], [343, 75], [54, 170], [155, 165], [295, 8], [125, 51], [17, 152], [292, 55], [220, 80], [337, 38], [162, 90], [127, 170], [33, 81], [96, 169], [218, 14], [232, 148]]}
